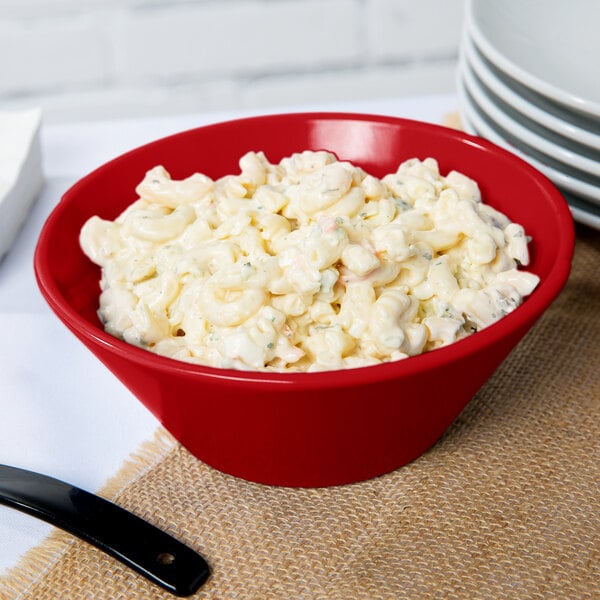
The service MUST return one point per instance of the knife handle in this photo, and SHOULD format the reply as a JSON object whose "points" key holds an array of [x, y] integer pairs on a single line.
{"points": [[151, 552]]}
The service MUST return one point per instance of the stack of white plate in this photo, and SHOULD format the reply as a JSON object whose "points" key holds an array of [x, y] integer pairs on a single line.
{"points": [[529, 80]]}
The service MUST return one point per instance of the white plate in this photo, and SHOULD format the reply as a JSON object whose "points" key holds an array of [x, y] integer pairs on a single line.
{"points": [[553, 145], [551, 46], [587, 214], [570, 180], [528, 103], [584, 212]]}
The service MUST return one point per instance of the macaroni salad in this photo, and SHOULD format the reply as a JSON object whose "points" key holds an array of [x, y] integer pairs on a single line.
{"points": [[311, 264]]}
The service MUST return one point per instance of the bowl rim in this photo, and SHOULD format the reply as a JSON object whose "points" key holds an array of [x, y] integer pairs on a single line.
{"points": [[524, 316]]}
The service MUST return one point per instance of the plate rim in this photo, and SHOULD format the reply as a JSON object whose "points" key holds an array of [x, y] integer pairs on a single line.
{"points": [[544, 145], [466, 110], [543, 87], [579, 214], [521, 104]]}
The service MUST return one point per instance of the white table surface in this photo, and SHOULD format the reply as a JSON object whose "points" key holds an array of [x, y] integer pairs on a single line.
{"points": [[62, 412]]}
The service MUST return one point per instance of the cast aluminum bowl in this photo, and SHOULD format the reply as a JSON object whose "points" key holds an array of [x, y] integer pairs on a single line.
{"points": [[307, 429]]}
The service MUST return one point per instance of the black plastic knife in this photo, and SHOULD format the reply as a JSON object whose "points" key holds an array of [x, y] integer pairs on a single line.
{"points": [[151, 552]]}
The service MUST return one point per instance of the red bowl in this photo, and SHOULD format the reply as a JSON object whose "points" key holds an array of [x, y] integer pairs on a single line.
{"points": [[307, 429]]}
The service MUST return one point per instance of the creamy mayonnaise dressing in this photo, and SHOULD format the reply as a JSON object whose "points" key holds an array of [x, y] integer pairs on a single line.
{"points": [[307, 265]]}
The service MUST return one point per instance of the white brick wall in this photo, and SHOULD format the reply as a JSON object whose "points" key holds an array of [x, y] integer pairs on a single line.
{"points": [[398, 29], [236, 39], [52, 53], [87, 59]]}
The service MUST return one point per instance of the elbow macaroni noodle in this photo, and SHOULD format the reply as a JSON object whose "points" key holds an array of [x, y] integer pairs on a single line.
{"points": [[307, 265]]}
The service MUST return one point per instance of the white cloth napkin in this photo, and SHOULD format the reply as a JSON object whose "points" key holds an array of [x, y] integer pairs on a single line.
{"points": [[21, 173]]}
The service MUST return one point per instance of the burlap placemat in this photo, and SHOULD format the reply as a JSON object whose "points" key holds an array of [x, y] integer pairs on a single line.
{"points": [[506, 505]]}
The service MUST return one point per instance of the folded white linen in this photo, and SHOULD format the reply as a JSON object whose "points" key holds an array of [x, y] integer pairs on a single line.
{"points": [[21, 171]]}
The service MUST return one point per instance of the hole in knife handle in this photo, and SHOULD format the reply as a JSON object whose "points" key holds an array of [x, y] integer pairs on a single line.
{"points": [[165, 558]]}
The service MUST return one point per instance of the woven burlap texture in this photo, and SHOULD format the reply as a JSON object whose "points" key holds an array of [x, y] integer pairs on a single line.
{"points": [[506, 505]]}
